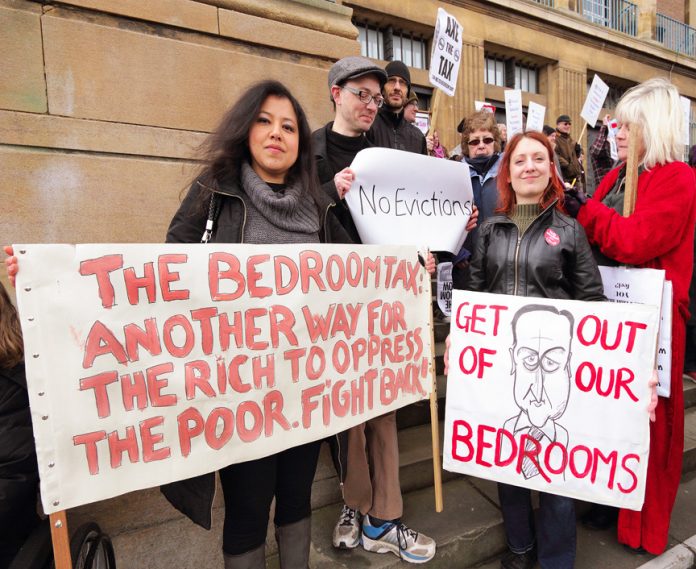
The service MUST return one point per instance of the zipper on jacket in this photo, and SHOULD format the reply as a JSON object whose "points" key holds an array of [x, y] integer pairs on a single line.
{"points": [[326, 225], [519, 242], [244, 208]]}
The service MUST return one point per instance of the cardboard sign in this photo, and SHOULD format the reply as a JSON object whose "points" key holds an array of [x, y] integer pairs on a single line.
{"points": [[513, 112], [551, 394], [535, 116], [646, 286], [148, 364], [686, 109], [400, 197], [446, 53], [444, 288], [594, 101]]}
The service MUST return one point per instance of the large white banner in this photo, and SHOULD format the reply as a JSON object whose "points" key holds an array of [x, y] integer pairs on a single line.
{"points": [[446, 53], [551, 394], [148, 364], [400, 197], [646, 286]]}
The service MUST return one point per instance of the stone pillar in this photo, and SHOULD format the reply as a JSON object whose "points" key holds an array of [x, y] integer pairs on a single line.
{"points": [[690, 12], [567, 93], [469, 89], [647, 19]]}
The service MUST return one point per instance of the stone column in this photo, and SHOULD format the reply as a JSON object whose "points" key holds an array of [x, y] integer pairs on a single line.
{"points": [[567, 92], [647, 19]]}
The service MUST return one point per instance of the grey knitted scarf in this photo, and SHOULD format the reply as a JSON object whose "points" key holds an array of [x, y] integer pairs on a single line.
{"points": [[286, 216]]}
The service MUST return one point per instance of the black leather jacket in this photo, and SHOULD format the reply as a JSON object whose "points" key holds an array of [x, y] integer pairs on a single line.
{"points": [[391, 131], [552, 259]]}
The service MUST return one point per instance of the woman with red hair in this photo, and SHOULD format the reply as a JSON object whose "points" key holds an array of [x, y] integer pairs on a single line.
{"points": [[532, 248]]}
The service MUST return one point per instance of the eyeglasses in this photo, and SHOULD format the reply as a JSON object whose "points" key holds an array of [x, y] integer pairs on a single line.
{"points": [[364, 96], [477, 141]]}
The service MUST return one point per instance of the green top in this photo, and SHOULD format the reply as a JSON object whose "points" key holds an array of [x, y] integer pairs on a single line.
{"points": [[523, 215]]}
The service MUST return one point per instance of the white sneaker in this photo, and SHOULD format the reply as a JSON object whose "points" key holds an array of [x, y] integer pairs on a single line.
{"points": [[346, 534], [399, 539]]}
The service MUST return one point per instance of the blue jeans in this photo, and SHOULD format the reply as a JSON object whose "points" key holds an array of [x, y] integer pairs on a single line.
{"points": [[555, 528]]}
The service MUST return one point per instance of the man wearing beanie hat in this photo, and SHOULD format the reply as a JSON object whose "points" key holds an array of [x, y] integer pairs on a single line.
{"points": [[373, 504], [565, 150], [391, 130], [411, 108]]}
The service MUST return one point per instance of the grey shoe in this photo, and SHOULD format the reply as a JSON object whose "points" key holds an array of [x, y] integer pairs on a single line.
{"points": [[294, 541], [254, 559]]}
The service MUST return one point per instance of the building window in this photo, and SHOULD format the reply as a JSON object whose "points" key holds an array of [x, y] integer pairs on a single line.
{"points": [[392, 45], [525, 78], [495, 71]]}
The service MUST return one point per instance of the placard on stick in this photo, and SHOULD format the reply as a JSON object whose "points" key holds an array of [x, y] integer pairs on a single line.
{"points": [[446, 54]]}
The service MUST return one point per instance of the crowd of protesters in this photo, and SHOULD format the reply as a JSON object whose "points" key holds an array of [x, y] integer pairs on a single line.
{"points": [[267, 179]]}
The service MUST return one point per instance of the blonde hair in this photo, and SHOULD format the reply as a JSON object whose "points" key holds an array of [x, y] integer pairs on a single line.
{"points": [[11, 346], [655, 107]]}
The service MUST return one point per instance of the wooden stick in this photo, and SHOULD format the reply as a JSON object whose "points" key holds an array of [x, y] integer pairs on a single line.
{"points": [[434, 419], [582, 133], [61, 540], [434, 110], [631, 186]]}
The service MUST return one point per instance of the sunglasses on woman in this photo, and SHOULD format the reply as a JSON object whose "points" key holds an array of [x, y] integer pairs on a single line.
{"points": [[477, 141]]}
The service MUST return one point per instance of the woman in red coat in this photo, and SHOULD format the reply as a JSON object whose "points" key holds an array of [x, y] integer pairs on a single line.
{"points": [[659, 235]]}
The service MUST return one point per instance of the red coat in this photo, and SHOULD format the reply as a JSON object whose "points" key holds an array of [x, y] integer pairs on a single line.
{"points": [[659, 235]]}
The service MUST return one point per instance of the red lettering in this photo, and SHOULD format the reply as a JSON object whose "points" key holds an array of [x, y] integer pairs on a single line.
{"points": [[245, 409], [630, 472], [134, 283], [465, 439], [117, 446], [90, 441], [285, 265], [482, 445], [190, 424], [167, 277], [101, 267], [156, 384], [150, 439], [253, 277], [178, 320], [99, 383], [101, 341], [215, 437], [232, 273]]}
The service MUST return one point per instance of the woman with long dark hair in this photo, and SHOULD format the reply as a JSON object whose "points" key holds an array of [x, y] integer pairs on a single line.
{"points": [[258, 185]]}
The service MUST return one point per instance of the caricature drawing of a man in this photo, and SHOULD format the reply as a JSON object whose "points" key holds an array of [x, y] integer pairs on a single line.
{"points": [[540, 353]]}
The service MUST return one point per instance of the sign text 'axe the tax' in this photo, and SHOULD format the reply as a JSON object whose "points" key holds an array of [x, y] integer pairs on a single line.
{"points": [[446, 55]]}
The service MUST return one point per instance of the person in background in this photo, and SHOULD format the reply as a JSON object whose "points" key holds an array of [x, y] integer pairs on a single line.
{"points": [[551, 134], [411, 108], [456, 152], [601, 159], [658, 234], [530, 208], [19, 472], [581, 161], [565, 150], [502, 129]]}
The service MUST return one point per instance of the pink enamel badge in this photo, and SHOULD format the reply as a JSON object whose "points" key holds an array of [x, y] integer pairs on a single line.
{"points": [[551, 237]]}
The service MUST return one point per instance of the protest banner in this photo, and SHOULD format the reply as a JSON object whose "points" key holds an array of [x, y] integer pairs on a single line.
{"points": [[686, 109], [535, 116], [148, 364], [551, 395], [646, 286], [444, 288], [513, 112], [446, 53], [399, 197], [483, 106], [594, 101]]}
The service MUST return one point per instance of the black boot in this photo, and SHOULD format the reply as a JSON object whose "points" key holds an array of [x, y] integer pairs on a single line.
{"points": [[600, 517], [254, 559], [294, 541]]}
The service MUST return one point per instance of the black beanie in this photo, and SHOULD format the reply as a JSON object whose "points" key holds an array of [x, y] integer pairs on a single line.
{"points": [[400, 70]]}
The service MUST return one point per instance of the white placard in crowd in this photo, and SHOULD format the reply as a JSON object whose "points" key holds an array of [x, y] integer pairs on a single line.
{"points": [[156, 363], [399, 197], [646, 286], [686, 109], [535, 116], [423, 122], [513, 112], [484, 106], [444, 287], [551, 394], [446, 54], [594, 101]]}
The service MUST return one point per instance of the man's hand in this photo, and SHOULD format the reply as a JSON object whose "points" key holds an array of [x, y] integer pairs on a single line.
{"points": [[343, 181]]}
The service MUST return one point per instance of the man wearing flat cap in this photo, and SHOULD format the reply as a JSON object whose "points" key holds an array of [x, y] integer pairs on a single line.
{"points": [[565, 150], [390, 129], [367, 455]]}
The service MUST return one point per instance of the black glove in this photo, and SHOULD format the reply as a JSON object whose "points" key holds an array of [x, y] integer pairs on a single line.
{"points": [[574, 199]]}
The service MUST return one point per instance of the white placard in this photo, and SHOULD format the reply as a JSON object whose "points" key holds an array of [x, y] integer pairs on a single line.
{"points": [[446, 53], [399, 197], [148, 364], [513, 112], [423, 122], [444, 287], [535, 116], [551, 394], [686, 109], [594, 101], [484, 106], [646, 286]]}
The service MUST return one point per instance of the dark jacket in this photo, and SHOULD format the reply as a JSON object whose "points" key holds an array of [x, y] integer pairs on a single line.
{"points": [[194, 497], [390, 130], [552, 259], [565, 150], [326, 177]]}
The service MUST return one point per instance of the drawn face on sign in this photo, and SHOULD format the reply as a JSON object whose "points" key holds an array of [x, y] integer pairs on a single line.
{"points": [[541, 368]]}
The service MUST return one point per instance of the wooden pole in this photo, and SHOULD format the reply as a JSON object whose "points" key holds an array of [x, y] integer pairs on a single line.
{"points": [[435, 110], [632, 163], [61, 540], [434, 419], [582, 132]]}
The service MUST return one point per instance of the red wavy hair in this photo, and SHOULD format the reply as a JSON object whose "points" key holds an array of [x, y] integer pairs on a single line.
{"points": [[506, 195]]}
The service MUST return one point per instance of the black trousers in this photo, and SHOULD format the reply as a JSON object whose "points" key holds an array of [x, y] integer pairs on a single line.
{"points": [[249, 488]]}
